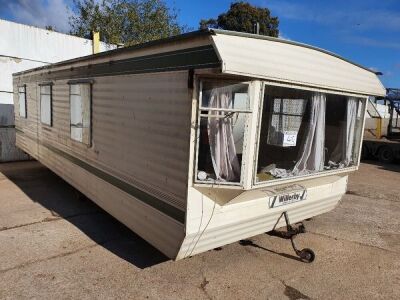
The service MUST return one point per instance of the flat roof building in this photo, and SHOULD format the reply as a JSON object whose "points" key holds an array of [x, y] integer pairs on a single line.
{"points": [[25, 47]]}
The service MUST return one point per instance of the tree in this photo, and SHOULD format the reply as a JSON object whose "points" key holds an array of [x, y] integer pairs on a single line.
{"points": [[124, 21], [242, 16]]}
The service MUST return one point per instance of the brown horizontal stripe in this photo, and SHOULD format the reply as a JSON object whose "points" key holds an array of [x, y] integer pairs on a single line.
{"points": [[142, 196], [192, 58]]}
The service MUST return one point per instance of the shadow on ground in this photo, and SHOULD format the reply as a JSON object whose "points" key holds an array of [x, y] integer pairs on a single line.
{"points": [[394, 167], [250, 243], [63, 201]]}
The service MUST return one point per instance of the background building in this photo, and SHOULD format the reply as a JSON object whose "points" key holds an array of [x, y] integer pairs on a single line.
{"points": [[25, 47]]}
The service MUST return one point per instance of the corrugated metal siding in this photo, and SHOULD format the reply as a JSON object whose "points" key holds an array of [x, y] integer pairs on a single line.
{"points": [[293, 64], [221, 225], [159, 230], [8, 150], [29, 124], [6, 114], [232, 232], [140, 129]]}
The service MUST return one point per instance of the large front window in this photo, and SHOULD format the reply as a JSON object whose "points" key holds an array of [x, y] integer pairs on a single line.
{"points": [[306, 132], [223, 114]]}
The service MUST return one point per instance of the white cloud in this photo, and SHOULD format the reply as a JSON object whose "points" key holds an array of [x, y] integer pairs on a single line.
{"points": [[40, 13], [283, 35]]}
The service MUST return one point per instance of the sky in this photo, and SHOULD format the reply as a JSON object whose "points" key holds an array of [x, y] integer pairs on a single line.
{"points": [[364, 31]]}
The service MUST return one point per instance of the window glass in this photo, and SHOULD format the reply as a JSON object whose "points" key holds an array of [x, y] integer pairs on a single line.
{"points": [[223, 116], [22, 101], [304, 132], [80, 106], [286, 117], [45, 104], [238, 100]]}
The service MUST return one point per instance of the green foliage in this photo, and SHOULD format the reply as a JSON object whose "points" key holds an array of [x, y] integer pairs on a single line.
{"points": [[242, 16], [124, 21]]}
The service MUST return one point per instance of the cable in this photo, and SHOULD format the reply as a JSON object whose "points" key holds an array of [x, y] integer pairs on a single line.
{"points": [[201, 222], [208, 223]]}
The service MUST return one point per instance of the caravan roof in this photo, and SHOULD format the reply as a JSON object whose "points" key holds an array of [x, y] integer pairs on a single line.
{"points": [[236, 53]]}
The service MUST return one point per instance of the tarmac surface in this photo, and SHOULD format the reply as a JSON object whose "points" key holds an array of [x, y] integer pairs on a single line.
{"points": [[57, 245]]}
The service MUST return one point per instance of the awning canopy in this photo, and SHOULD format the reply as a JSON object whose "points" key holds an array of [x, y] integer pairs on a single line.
{"points": [[290, 62]]}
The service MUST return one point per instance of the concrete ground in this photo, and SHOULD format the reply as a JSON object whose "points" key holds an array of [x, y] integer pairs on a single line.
{"points": [[55, 245]]}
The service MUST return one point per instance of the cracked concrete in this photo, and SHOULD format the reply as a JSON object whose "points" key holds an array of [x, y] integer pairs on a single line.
{"points": [[54, 244]]}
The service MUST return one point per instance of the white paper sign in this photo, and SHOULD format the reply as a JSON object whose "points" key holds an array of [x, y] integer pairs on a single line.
{"points": [[289, 138]]}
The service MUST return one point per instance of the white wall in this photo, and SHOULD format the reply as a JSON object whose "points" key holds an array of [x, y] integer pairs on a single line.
{"points": [[383, 110], [8, 66], [32, 43], [24, 47]]}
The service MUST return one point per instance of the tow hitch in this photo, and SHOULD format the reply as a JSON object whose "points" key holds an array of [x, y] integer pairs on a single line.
{"points": [[306, 255]]}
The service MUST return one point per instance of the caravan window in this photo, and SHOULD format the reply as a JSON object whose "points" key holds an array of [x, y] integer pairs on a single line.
{"points": [[22, 101], [46, 104], [223, 115], [80, 112], [305, 132]]}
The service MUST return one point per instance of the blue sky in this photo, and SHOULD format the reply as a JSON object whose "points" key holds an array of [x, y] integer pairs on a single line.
{"points": [[365, 31]]}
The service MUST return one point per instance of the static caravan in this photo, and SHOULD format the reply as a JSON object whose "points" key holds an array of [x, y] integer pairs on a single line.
{"points": [[202, 139]]}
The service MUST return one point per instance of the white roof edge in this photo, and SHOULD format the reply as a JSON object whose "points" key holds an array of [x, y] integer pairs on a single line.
{"points": [[285, 41], [294, 63]]}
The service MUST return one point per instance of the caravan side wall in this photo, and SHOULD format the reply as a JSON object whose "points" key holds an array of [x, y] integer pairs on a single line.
{"points": [[136, 168]]}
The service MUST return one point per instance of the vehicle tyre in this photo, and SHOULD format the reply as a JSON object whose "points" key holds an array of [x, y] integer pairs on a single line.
{"points": [[386, 154], [302, 228], [307, 255], [364, 152]]}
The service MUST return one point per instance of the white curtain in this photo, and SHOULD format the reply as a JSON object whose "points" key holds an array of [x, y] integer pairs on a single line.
{"points": [[313, 150], [352, 109], [343, 152], [220, 134]]}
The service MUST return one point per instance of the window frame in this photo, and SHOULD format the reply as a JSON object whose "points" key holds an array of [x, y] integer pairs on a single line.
{"points": [[25, 101], [50, 85], [255, 184], [88, 82], [246, 134]]}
